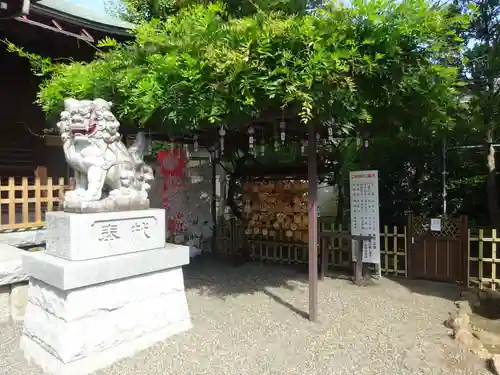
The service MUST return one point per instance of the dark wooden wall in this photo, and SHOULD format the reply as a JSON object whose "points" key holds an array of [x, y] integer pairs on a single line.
{"points": [[22, 149]]}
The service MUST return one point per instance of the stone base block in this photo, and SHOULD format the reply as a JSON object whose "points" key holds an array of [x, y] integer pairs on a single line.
{"points": [[4, 303], [66, 275], [82, 330], [75, 236], [18, 301], [11, 271], [88, 365], [13, 300]]}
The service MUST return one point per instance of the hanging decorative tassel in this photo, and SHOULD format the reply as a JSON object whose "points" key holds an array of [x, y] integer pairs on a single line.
{"points": [[251, 132], [303, 147], [222, 133], [330, 130], [282, 133], [195, 143], [186, 151], [149, 144]]}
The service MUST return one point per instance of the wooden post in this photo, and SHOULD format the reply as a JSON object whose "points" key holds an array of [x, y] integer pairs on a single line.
{"points": [[359, 261], [213, 206], [38, 201], [409, 245], [312, 172], [464, 246], [25, 198], [12, 201], [358, 271], [42, 174], [324, 262]]}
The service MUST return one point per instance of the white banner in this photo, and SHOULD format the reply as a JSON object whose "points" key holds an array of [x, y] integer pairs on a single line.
{"points": [[365, 218]]}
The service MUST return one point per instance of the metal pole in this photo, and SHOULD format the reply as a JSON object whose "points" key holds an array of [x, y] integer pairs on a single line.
{"points": [[312, 172], [445, 172]]}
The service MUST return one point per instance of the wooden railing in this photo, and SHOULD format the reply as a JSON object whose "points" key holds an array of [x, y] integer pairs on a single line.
{"points": [[483, 251], [393, 246], [24, 201], [483, 259]]}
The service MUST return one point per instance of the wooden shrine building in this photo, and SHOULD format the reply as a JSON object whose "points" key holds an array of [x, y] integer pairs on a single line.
{"points": [[52, 28]]}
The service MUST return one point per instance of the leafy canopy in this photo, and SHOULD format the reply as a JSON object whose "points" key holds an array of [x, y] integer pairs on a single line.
{"points": [[145, 10], [380, 61]]}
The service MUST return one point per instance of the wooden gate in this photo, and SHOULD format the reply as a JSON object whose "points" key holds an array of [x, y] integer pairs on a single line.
{"points": [[438, 255]]}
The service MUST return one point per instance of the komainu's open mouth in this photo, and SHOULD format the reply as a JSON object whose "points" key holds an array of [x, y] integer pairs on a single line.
{"points": [[84, 131]]}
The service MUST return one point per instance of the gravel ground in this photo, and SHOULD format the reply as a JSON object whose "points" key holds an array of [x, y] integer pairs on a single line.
{"points": [[250, 320]]}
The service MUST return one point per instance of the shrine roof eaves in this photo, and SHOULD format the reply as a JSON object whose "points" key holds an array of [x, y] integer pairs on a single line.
{"points": [[81, 16]]}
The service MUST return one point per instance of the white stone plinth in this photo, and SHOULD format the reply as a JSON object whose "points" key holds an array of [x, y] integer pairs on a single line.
{"points": [[13, 283], [76, 236], [66, 275], [10, 265], [84, 324]]}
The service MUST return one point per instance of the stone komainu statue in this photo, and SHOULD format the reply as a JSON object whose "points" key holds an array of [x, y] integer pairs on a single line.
{"points": [[102, 163]]}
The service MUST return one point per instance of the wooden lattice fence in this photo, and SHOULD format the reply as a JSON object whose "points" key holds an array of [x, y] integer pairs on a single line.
{"points": [[23, 202], [483, 259], [482, 252], [332, 238]]}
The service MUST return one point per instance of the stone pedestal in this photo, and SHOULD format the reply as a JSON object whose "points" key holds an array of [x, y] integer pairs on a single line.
{"points": [[85, 315], [87, 236]]}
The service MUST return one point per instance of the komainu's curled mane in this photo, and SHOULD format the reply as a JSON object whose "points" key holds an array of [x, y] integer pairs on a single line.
{"points": [[102, 163]]}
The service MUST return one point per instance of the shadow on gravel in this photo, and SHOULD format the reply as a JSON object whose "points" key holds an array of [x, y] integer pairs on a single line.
{"points": [[446, 291], [220, 278]]}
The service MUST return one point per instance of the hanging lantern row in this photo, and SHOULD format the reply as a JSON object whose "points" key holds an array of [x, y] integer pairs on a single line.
{"points": [[222, 134], [251, 138]]}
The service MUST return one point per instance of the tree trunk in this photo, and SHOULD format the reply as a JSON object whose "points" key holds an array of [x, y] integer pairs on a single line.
{"points": [[491, 181]]}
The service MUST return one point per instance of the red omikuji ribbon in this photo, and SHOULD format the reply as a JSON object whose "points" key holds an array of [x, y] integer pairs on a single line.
{"points": [[172, 165]]}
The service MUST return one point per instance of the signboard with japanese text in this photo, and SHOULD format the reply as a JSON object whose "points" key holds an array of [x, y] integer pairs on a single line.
{"points": [[436, 225], [365, 218]]}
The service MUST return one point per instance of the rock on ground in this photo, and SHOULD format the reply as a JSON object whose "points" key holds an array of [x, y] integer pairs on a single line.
{"points": [[495, 364], [250, 320]]}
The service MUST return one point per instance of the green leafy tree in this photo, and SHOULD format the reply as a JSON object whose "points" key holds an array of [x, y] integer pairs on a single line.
{"points": [[145, 10], [480, 72], [380, 68], [368, 64]]}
